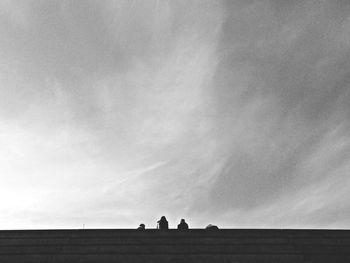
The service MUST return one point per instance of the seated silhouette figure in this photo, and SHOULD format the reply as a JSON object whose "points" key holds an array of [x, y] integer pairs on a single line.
{"points": [[141, 227], [211, 227], [183, 225], [162, 223]]}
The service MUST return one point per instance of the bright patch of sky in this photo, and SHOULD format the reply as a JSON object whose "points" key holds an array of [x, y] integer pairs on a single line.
{"points": [[114, 113]]}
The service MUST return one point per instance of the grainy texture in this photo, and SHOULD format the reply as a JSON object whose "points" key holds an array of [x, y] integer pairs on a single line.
{"points": [[196, 245]]}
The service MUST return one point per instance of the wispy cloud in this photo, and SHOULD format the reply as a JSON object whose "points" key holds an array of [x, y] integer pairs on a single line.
{"points": [[227, 112]]}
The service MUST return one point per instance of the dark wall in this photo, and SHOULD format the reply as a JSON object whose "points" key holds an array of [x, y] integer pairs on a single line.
{"points": [[124, 245]]}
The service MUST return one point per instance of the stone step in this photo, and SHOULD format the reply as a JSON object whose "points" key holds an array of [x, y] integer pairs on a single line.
{"points": [[223, 233], [131, 258], [155, 249], [156, 240]]}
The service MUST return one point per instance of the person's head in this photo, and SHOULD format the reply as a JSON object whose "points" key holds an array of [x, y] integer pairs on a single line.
{"points": [[211, 227], [182, 221], [142, 225], [163, 218]]}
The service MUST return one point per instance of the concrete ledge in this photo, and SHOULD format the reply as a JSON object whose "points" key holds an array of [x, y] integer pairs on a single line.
{"points": [[195, 245]]}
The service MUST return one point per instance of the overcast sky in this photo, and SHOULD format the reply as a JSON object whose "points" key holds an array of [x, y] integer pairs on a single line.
{"points": [[235, 113]]}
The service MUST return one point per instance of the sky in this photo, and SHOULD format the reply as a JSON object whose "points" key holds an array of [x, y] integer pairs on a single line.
{"points": [[115, 113]]}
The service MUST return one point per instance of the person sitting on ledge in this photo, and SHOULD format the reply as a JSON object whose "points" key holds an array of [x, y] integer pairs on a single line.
{"points": [[141, 227], [183, 225], [211, 227], [162, 224]]}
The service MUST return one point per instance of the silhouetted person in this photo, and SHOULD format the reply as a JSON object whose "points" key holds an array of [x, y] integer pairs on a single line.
{"points": [[211, 227], [141, 227], [162, 223], [183, 225]]}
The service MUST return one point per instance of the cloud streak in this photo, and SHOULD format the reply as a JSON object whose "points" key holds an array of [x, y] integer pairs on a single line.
{"points": [[227, 112]]}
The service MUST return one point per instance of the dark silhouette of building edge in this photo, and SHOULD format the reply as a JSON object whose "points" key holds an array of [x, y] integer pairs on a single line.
{"points": [[193, 245]]}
